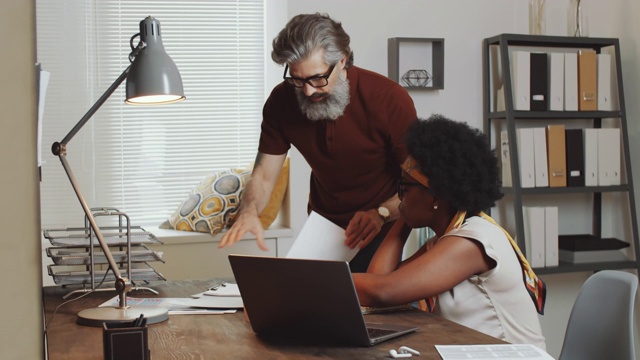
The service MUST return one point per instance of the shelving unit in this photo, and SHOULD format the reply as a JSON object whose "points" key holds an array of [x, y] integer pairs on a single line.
{"points": [[512, 117], [423, 55]]}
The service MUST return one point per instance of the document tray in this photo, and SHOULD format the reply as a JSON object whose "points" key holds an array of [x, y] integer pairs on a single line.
{"points": [[77, 276], [113, 235], [80, 256]]}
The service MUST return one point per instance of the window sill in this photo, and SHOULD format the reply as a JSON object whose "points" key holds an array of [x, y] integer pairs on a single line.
{"points": [[174, 237]]}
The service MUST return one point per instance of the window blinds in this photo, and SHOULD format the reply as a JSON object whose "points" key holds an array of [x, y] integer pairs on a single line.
{"points": [[144, 160]]}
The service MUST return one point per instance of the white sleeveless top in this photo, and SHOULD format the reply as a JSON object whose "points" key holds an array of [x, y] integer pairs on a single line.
{"points": [[495, 302]]}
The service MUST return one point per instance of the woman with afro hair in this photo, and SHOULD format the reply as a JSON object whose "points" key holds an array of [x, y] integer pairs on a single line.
{"points": [[471, 271]]}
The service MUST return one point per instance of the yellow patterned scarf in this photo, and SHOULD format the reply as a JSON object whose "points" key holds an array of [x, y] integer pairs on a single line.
{"points": [[535, 286]]}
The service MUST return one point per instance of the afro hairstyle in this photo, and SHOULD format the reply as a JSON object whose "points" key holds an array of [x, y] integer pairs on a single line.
{"points": [[461, 166]]}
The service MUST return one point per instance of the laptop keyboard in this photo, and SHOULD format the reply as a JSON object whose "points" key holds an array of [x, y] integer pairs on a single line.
{"points": [[374, 332]]}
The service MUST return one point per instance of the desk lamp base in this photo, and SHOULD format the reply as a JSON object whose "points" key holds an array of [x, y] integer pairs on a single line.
{"points": [[97, 316]]}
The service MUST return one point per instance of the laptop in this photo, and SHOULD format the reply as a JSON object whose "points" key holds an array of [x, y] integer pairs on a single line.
{"points": [[310, 300]]}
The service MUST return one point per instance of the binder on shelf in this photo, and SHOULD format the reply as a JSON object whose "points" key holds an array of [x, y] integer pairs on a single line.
{"points": [[539, 93], [556, 81], [556, 155], [551, 249], [609, 156], [579, 249], [590, 157], [604, 82], [540, 165], [587, 81], [500, 106], [526, 157], [571, 82], [497, 84], [534, 235], [522, 80], [575, 157], [505, 158]]}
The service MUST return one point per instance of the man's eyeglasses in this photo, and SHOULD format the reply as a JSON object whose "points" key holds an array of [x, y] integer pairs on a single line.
{"points": [[315, 81], [403, 185]]}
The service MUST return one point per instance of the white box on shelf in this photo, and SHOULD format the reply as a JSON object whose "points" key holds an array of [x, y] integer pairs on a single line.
{"points": [[534, 235], [526, 157]]}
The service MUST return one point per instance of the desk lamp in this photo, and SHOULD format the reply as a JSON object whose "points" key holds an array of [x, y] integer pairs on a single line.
{"points": [[152, 78]]}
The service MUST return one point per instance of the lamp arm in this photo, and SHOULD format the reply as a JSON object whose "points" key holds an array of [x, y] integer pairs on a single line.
{"points": [[122, 285], [92, 110]]}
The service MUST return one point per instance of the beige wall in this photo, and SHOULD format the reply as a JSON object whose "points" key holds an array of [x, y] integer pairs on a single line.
{"points": [[21, 327]]}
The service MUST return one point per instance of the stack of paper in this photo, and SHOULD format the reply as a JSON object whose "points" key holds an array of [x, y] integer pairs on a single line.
{"points": [[222, 296], [224, 304], [209, 302], [495, 352], [224, 289]]}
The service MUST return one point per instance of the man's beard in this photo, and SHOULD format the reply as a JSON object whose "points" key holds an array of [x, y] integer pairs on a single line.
{"points": [[333, 105]]}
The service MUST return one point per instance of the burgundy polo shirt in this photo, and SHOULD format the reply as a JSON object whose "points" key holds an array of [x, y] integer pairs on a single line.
{"points": [[355, 159]]}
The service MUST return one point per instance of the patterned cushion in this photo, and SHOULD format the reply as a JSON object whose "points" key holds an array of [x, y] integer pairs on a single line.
{"points": [[212, 205], [270, 212]]}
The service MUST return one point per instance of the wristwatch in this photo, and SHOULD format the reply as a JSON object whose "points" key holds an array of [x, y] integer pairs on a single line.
{"points": [[384, 213]]}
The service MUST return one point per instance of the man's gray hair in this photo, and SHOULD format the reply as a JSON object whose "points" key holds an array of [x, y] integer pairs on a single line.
{"points": [[306, 33]]}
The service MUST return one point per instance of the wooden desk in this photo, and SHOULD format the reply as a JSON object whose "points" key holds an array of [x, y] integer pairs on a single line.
{"points": [[230, 336]]}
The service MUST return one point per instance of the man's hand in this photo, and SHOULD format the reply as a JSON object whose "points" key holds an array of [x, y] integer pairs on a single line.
{"points": [[364, 226], [254, 199], [247, 221]]}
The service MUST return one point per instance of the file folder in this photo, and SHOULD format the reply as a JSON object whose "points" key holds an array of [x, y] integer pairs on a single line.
{"points": [[526, 157], [609, 157], [534, 235], [587, 81], [604, 82], [591, 157], [539, 82], [556, 82], [522, 80], [505, 159], [497, 85], [551, 250], [575, 157], [557, 157], [540, 157], [571, 82]]}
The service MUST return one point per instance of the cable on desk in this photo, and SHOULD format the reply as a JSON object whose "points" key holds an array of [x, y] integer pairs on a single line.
{"points": [[47, 322]]}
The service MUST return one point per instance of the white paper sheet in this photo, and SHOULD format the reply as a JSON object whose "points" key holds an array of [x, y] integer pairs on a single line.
{"points": [[224, 289], [320, 239], [210, 305], [494, 352], [195, 311], [211, 302], [42, 88]]}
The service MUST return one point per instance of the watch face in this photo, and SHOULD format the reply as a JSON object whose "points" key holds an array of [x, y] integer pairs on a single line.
{"points": [[384, 212]]}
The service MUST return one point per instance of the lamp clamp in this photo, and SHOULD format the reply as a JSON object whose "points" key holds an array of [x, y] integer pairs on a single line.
{"points": [[135, 49]]}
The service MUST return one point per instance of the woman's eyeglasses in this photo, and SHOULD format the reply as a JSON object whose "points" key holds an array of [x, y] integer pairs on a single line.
{"points": [[403, 185]]}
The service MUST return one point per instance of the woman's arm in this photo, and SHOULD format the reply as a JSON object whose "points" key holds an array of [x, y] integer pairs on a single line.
{"points": [[450, 261], [389, 253]]}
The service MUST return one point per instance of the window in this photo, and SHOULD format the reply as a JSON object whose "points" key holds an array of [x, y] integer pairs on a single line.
{"points": [[144, 160]]}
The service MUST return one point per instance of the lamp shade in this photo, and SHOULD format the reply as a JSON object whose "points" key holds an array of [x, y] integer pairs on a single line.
{"points": [[153, 77]]}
